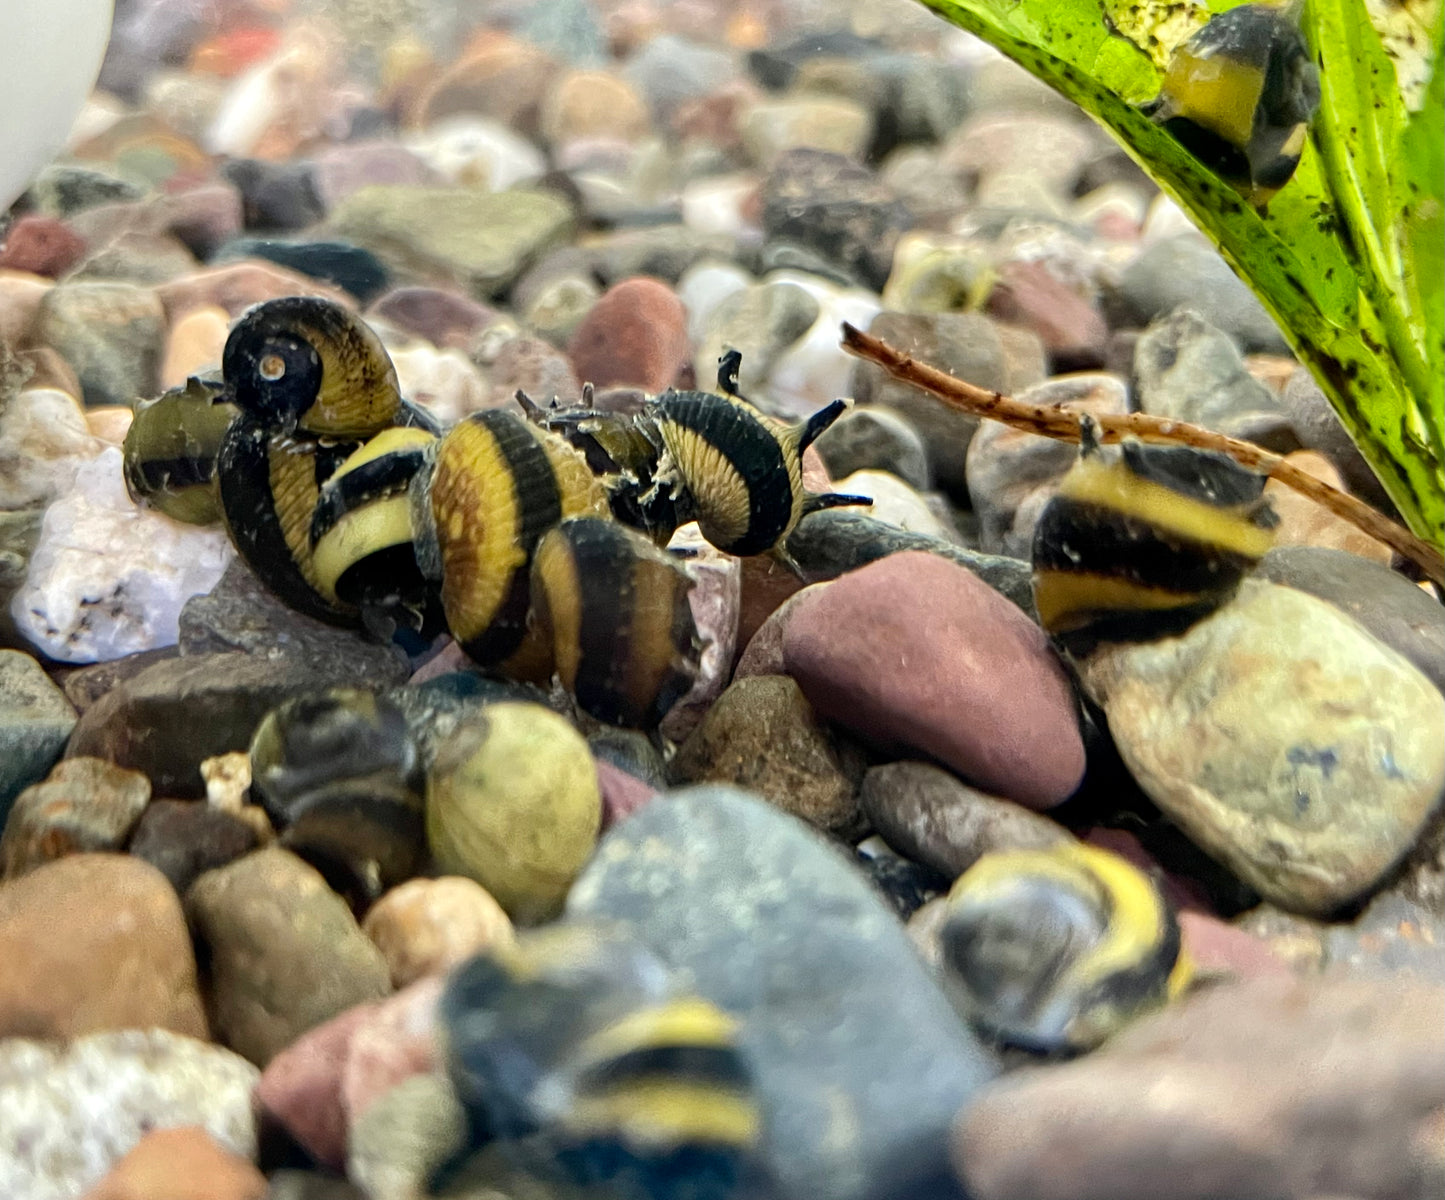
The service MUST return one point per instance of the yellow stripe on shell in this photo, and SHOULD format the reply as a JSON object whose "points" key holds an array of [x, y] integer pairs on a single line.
{"points": [[562, 596], [1113, 486], [359, 393], [1067, 600], [579, 491], [1215, 92], [376, 526], [687, 1021], [293, 496], [719, 490], [666, 1112]]}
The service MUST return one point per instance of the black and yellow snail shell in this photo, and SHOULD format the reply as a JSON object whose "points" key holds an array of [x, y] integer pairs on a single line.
{"points": [[494, 485], [1239, 95], [1141, 542], [615, 609], [340, 776], [1052, 951], [571, 1051], [361, 539], [171, 448], [311, 382]]}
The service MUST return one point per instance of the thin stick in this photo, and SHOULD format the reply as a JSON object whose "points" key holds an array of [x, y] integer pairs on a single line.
{"points": [[1062, 424]]}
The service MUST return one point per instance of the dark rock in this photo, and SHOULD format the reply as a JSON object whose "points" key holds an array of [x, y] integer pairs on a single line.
{"points": [[846, 1029], [85, 685], [349, 267], [83, 805], [663, 251], [1387, 604], [630, 751], [1276, 1086], [876, 439], [933, 817], [905, 884], [285, 953], [1318, 428], [35, 721], [1185, 271], [184, 838], [832, 542], [968, 347], [65, 188], [842, 210], [240, 614], [763, 735], [276, 197]]}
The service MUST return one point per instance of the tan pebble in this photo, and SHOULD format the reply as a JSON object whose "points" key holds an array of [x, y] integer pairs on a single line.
{"points": [[110, 422], [228, 777], [1302, 522], [20, 297], [194, 344], [427, 926], [180, 1164]]}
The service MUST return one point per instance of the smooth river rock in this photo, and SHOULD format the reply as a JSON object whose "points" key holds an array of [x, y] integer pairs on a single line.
{"points": [[860, 1060]]}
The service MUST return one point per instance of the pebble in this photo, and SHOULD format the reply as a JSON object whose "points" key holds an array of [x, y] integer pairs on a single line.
{"points": [[670, 70], [475, 152], [1071, 328], [275, 197], [106, 578], [662, 251], [284, 953], [968, 347], [44, 440], [1318, 428], [111, 333], [1187, 370], [41, 245], [354, 270], [722, 204], [1260, 728], [1184, 270], [497, 77], [1388, 605], [835, 207], [931, 816], [62, 188], [476, 240], [512, 803], [860, 1061], [814, 371], [20, 297], [763, 653], [83, 805], [183, 839], [402, 1138], [95, 942], [701, 288], [35, 722], [235, 287], [444, 382], [557, 309], [874, 439], [715, 600], [622, 793], [916, 653], [832, 124], [593, 103], [73, 1110], [898, 504], [760, 321], [194, 344], [1302, 522], [762, 734], [1255, 1070], [527, 364], [180, 1164], [634, 336], [339, 171], [427, 926], [447, 319], [1012, 475]]}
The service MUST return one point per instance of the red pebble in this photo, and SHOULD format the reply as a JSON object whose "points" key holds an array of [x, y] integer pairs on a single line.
{"points": [[635, 335], [41, 245]]}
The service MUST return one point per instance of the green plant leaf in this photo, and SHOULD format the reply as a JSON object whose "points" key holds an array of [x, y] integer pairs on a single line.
{"points": [[1341, 255]]}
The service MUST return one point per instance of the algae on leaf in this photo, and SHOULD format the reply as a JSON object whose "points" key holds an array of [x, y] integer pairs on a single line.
{"points": [[1348, 255]]}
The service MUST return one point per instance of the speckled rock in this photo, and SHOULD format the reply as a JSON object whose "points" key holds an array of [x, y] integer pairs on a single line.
{"points": [[715, 599], [1260, 728], [95, 942], [427, 926], [180, 1164], [512, 803], [760, 322], [35, 721], [1187, 370], [183, 839], [111, 333], [1387, 604], [1230, 1094], [402, 1138], [1011, 475], [1302, 522], [967, 346], [478, 240], [915, 653], [284, 951], [933, 817], [72, 1111], [763, 735], [846, 1029], [84, 804], [635, 335], [875, 439]]}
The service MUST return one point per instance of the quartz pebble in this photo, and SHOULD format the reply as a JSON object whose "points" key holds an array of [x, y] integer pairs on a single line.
{"points": [[427, 926], [44, 441]]}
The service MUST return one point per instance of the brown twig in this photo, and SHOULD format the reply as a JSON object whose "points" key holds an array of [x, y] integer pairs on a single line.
{"points": [[1062, 424]]}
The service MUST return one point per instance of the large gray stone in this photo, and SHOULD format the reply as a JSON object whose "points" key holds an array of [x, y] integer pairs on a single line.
{"points": [[860, 1061], [35, 721]]}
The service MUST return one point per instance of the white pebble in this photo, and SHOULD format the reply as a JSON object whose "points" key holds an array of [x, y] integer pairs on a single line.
{"points": [[478, 153], [706, 285], [44, 438]]}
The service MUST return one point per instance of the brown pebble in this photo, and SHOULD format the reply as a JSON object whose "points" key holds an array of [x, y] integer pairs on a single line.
{"points": [[180, 1164], [84, 804], [41, 245], [427, 926], [636, 334], [95, 942], [194, 344]]}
